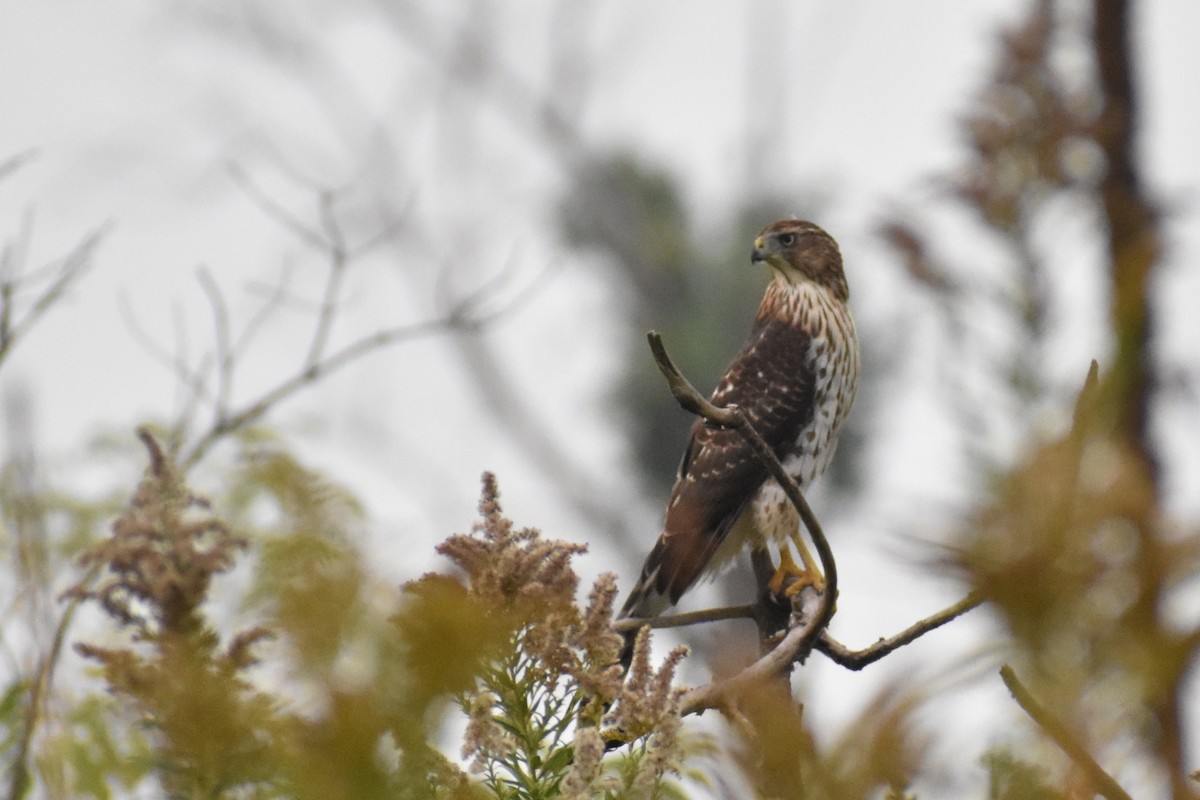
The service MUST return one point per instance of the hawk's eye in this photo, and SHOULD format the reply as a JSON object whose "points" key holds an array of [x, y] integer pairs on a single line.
{"points": [[787, 239]]}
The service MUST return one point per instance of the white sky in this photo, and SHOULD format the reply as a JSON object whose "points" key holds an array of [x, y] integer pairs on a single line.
{"points": [[136, 108]]}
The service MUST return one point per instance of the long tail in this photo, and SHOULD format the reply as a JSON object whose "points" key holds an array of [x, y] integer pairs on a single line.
{"points": [[646, 601]]}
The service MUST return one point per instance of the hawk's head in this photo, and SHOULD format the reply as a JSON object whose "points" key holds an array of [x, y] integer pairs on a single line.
{"points": [[800, 251]]}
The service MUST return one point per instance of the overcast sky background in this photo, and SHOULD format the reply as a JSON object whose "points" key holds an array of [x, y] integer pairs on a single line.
{"points": [[138, 109]]}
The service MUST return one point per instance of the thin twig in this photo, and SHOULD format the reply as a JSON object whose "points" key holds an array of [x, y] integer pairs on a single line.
{"points": [[254, 410], [174, 362], [72, 264], [286, 219], [14, 163], [687, 618], [857, 659], [221, 332], [338, 261], [276, 295], [42, 684], [1063, 736], [66, 271], [379, 237]]}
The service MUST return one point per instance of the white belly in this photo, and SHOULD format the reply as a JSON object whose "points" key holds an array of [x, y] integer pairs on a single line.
{"points": [[770, 518]]}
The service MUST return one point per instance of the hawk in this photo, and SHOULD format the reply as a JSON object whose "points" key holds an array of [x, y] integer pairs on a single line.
{"points": [[795, 380]]}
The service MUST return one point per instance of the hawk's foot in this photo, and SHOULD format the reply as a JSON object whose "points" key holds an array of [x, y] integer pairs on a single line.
{"points": [[791, 578]]}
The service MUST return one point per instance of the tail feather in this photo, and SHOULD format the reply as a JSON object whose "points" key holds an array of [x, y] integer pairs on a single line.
{"points": [[646, 601]]}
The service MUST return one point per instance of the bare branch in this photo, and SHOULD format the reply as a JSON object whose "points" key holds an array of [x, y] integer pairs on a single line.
{"points": [[275, 297], [379, 237], [221, 332], [688, 618], [14, 325], [192, 380], [14, 163], [857, 659], [1063, 736], [338, 261], [289, 221], [41, 688], [470, 313], [256, 409], [458, 318]]}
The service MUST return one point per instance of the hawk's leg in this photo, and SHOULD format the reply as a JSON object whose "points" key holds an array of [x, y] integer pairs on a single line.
{"points": [[805, 574]]}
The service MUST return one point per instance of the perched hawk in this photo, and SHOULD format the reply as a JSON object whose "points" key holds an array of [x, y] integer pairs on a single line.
{"points": [[795, 380]]}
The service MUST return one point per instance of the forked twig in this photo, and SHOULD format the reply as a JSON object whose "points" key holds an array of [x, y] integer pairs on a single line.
{"points": [[469, 313], [61, 273], [857, 659]]}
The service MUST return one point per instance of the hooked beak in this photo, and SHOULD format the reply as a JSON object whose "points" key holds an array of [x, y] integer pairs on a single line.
{"points": [[759, 253]]}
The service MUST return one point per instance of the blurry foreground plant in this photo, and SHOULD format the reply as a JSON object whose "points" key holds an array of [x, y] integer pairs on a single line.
{"points": [[368, 681], [536, 713], [210, 727]]}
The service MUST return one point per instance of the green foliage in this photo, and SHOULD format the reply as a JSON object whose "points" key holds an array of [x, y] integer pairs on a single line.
{"points": [[532, 723], [94, 751]]}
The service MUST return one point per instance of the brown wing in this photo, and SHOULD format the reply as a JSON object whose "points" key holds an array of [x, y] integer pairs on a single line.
{"points": [[772, 382]]}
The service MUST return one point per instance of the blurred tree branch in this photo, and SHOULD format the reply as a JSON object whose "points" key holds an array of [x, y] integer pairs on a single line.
{"points": [[1063, 737], [1132, 223], [1134, 248], [213, 380], [47, 284], [460, 51]]}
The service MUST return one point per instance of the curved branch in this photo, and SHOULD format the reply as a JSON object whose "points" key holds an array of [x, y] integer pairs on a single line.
{"points": [[857, 659]]}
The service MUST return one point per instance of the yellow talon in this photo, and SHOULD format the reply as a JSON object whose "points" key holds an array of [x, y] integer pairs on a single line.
{"points": [[807, 575]]}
